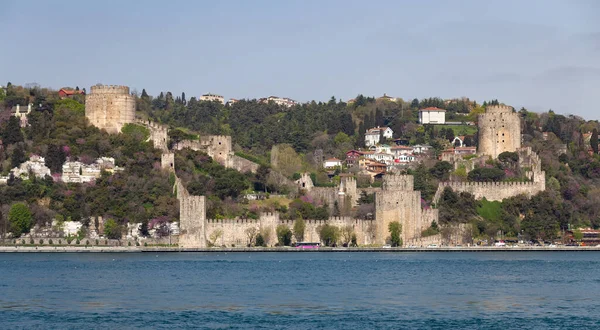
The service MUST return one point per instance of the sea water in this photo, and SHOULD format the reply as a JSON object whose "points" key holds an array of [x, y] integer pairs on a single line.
{"points": [[342, 290]]}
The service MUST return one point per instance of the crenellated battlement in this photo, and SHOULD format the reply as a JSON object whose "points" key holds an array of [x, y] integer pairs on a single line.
{"points": [[109, 89], [498, 109], [110, 107], [401, 182], [493, 191]]}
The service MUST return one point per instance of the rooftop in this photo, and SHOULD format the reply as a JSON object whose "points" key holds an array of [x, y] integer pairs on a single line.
{"points": [[432, 109]]}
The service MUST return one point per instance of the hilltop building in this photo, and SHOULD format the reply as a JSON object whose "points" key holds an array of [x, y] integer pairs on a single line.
{"points": [[432, 115], [21, 113], [212, 98], [499, 131], [110, 107], [64, 93]]}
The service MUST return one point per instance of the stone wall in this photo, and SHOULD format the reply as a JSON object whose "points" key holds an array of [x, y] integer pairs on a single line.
{"points": [[236, 232], [192, 216], [110, 107], [397, 201], [242, 165], [159, 134], [167, 161], [499, 131], [492, 191]]}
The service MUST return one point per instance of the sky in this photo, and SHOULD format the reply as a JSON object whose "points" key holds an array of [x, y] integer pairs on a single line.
{"points": [[539, 55]]}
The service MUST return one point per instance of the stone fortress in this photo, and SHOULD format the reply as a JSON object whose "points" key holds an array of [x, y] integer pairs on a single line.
{"points": [[500, 131], [110, 107]]}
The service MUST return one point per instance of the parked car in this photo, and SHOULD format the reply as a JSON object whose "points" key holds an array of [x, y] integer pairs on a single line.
{"points": [[432, 245]]}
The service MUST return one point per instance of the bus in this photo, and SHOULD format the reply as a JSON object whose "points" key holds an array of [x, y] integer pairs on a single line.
{"points": [[307, 245]]}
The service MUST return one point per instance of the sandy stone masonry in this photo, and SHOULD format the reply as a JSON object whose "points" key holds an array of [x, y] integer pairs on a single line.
{"points": [[499, 131], [110, 107]]}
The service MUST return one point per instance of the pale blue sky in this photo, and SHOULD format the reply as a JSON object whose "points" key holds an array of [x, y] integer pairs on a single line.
{"points": [[537, 54]]}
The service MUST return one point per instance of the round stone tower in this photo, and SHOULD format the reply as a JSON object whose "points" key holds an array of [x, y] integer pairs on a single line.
{"points": [[110, 107], [499, 131]]}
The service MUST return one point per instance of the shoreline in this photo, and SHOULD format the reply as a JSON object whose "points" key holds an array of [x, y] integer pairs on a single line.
{"points": [[135, 249]]}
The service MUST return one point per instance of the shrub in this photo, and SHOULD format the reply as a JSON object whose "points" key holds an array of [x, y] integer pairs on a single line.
{"points": [[97, 242], [50, 242], [31, 241], [284, 235], [77, 241], [329, 234], [145, 243], [395, 229], [41, 242], [59, 241], [129, 243], [137, 243], [87, 242], [260, 241]]}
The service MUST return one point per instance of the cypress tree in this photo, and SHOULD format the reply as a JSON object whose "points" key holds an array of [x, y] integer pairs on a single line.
{"points": [[594, 140]]}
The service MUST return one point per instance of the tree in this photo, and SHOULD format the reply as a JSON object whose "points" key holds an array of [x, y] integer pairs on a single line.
{"points": [[260, 241], [449, 134], [347, 233], [484, 174], [284, 235], [18, 156], [112, 229], [299, 228], [594, 140], [328, 234], [441, 170], [251, 234], [12, 133], [395, 229], [55, 158], [20, 219]]}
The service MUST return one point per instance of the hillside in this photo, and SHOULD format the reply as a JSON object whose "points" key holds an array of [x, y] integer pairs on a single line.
{"points": [[58, 130]]}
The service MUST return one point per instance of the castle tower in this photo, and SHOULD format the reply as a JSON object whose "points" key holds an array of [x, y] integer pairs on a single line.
{"points": [[397, 201], [110, 107], [499, 131]]}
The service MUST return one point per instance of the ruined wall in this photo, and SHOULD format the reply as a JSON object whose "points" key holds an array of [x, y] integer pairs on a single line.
{"points": [[167, 161], [499, 131], [242, 165], [159, 134], [218, 147], [110, 107], [192, 218]]}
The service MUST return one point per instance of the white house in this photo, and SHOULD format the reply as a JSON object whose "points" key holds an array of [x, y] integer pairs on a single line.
{"points": [[432, 115], [372, 135], [402, 150], [381, 157], [212, 98], [332, 163], [404, 159], [419, 148]]}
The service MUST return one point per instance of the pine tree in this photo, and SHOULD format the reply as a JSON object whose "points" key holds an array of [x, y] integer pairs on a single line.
{"points": [[55, 158], [18, 156], [144, 94], [594, 140], [12, 133], [361, 135]]}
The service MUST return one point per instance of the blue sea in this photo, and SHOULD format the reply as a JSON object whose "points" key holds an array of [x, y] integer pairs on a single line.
{"points": [[532, 290]]}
